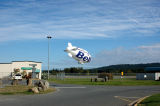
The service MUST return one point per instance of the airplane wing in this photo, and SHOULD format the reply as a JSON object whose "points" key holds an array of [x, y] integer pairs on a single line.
{"points": [[69, 54]]}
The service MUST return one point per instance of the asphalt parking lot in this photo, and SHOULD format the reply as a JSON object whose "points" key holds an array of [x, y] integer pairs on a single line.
{"points": [[82, 95]]}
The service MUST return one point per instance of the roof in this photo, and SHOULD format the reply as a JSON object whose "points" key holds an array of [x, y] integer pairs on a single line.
{"points": [[5, 63], [27, 61], [21, 61], [152, 69]]}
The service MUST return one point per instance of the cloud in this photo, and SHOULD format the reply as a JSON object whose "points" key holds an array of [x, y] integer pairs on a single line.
{"points": [[155, 46], [141, 54], [78, 19]]}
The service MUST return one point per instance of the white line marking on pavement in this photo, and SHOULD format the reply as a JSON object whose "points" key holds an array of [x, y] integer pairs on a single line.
{"points": [[71, 87], [126, 98]]}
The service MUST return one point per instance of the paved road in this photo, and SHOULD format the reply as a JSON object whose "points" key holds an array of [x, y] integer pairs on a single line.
{"points": [[84, 95]]}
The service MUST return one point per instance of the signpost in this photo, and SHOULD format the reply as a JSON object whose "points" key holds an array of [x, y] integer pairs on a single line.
{"points": [[33, 70], [122, 74]]}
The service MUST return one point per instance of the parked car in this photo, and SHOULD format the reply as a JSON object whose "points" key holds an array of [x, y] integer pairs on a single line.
{"points": [[18, 77]]}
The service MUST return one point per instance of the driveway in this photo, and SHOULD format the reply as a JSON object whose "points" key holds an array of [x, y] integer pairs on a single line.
{"points": [[82, 95]]}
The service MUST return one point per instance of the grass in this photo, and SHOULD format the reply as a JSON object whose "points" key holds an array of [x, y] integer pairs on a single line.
{"points": [[48, 91], [11, 90], [153, 100], [115, 82], [20, 89]]}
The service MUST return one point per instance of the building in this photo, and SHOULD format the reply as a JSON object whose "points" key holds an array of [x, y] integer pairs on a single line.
{"points": [[152, 73], [24, 67]]}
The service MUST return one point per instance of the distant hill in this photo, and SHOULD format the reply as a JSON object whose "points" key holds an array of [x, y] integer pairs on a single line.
{"points": [[127, 68], [130, 68]]}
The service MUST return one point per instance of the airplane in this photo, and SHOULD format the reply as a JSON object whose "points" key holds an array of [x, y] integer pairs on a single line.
{"points": [[81, 55]]}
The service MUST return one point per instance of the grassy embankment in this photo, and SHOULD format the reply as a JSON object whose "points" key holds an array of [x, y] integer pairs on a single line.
{"points": [[153, 100], [20, 89], [115, 82]]}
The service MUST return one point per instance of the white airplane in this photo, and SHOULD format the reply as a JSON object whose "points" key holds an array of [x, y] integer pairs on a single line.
{"points": [[81, 55]]}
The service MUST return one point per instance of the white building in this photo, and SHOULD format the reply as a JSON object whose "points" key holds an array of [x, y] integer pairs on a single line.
{"points": [[152, 73], [6, 69]]}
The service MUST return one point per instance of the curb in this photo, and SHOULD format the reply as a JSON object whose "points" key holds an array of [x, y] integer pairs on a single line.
{"points": [[136, 102]]}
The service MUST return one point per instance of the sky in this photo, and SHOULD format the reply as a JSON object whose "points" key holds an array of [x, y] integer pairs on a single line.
{"points": [[112, 31]]}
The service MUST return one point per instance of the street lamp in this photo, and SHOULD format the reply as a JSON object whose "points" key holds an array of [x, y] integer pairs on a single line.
{"points": [[49, 37]]}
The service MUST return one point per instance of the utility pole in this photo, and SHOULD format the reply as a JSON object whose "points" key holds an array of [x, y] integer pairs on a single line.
{"points": [[49, 37]]}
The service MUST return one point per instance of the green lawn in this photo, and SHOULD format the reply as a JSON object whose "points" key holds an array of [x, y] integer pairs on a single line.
{"points": [[116, 82], [153, 100], [20, 89]]}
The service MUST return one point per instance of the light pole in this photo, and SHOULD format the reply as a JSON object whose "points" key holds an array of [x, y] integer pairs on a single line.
{"points": [[49, 37]]}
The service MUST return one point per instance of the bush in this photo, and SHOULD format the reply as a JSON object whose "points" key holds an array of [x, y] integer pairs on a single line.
{"points": [[45, 76]]}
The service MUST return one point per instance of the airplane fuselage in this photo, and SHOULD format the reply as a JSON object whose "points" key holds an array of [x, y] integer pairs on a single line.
{"points": [[81, 55]]}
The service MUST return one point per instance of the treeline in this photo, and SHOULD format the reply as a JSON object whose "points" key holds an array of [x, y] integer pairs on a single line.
{"points": [[127, 68], [69, 70]]}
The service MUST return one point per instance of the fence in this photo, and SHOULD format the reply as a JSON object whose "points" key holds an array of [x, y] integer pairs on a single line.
{"points": [[63, 75], [6, 80]]}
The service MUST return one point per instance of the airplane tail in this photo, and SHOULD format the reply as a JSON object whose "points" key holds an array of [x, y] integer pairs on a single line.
{"points": [[69, 47], [69, 44]]}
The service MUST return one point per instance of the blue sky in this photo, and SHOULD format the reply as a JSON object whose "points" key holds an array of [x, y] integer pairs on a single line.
{"points": [[112, 31]]}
